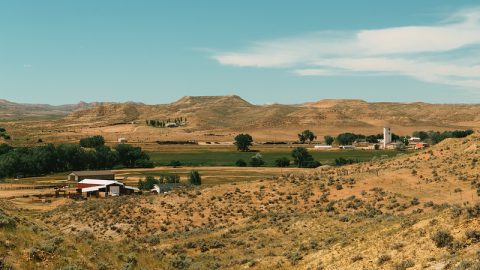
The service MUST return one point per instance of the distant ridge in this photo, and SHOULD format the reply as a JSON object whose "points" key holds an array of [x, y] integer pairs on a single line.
{"points": [[232, 114]]}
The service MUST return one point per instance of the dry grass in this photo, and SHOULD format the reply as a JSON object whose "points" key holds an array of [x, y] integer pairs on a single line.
{"points": [[384, 214]]}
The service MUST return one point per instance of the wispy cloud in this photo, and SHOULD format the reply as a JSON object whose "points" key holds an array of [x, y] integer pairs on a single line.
{"points": [[445, 53]]}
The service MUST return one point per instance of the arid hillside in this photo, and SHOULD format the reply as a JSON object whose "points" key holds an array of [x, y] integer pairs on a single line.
{"points": [[219, 118], [232, 112], [18, 111], [415, 211]]}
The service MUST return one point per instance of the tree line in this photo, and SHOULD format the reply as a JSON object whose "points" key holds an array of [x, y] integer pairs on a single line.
{"points": [[41, 160], [434, 137], [347, 138]]}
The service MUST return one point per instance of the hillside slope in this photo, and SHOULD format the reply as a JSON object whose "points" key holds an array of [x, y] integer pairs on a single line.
{"points": [[416, 211], [233, 112]]}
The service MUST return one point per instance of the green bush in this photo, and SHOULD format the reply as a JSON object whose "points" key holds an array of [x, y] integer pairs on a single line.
{"points": [[282, 162], [175, 163], [241, 163], [257, 161], [194, 178]]}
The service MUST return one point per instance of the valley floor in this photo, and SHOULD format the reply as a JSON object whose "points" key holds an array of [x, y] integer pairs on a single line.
{"points": [[415, 211]]}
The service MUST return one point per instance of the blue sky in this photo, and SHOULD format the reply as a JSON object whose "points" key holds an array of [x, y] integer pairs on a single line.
{"points": [[65, 51]]}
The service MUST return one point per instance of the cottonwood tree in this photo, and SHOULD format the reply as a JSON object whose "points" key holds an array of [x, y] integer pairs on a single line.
{"points": [[303, 159], [243, 142], [306, 135], [328, 140]]}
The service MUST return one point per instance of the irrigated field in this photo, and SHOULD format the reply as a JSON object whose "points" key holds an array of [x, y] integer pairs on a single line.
{"points": [[227, 155]]}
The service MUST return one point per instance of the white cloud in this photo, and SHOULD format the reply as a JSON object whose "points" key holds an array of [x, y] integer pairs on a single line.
{"points": [[437, 53]]}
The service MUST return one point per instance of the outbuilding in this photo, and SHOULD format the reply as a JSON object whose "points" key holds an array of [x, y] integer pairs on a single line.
{"points": [[323, 147], [78, 176], [421, 145]]}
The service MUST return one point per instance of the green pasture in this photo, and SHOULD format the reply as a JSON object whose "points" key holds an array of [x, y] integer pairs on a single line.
{"points": [[222, 157]]}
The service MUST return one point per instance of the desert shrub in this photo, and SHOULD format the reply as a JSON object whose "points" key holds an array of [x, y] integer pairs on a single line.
{"points": [[383, 259], [404, 264], [180, 262], [293, 257], [442, 238], [414, 201], [85, 235], [6, 221], [428, 204], [357, 258], [36, 254], [467, 265], [473, 235], [314, 244], [151, 239], [473, 211]]}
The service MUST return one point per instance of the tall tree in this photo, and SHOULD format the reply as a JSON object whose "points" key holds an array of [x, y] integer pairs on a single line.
{"points": [[243, 142], [306, 135], [328, 140], [303, 159]]}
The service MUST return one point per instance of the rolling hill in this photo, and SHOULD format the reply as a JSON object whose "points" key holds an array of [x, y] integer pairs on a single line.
{"points": [[234, 112], [224, 116]]}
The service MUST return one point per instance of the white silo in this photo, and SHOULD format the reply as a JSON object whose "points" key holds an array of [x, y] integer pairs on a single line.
{"points": [[387, 136]]}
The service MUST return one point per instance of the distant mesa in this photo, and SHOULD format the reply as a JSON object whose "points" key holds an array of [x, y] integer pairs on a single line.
{"points": [[199, 100]]}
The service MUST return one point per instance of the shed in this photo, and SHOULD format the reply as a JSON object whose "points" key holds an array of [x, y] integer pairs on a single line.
{"points": [[81, 175], [322, 147]]}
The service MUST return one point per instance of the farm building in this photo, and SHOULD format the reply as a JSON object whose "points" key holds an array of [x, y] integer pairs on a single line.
{"points": [[122, 140], [81, 175], [93, 187], [421, 145], [171, 125], [322, 147], [414, 140], [165, 187]]}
